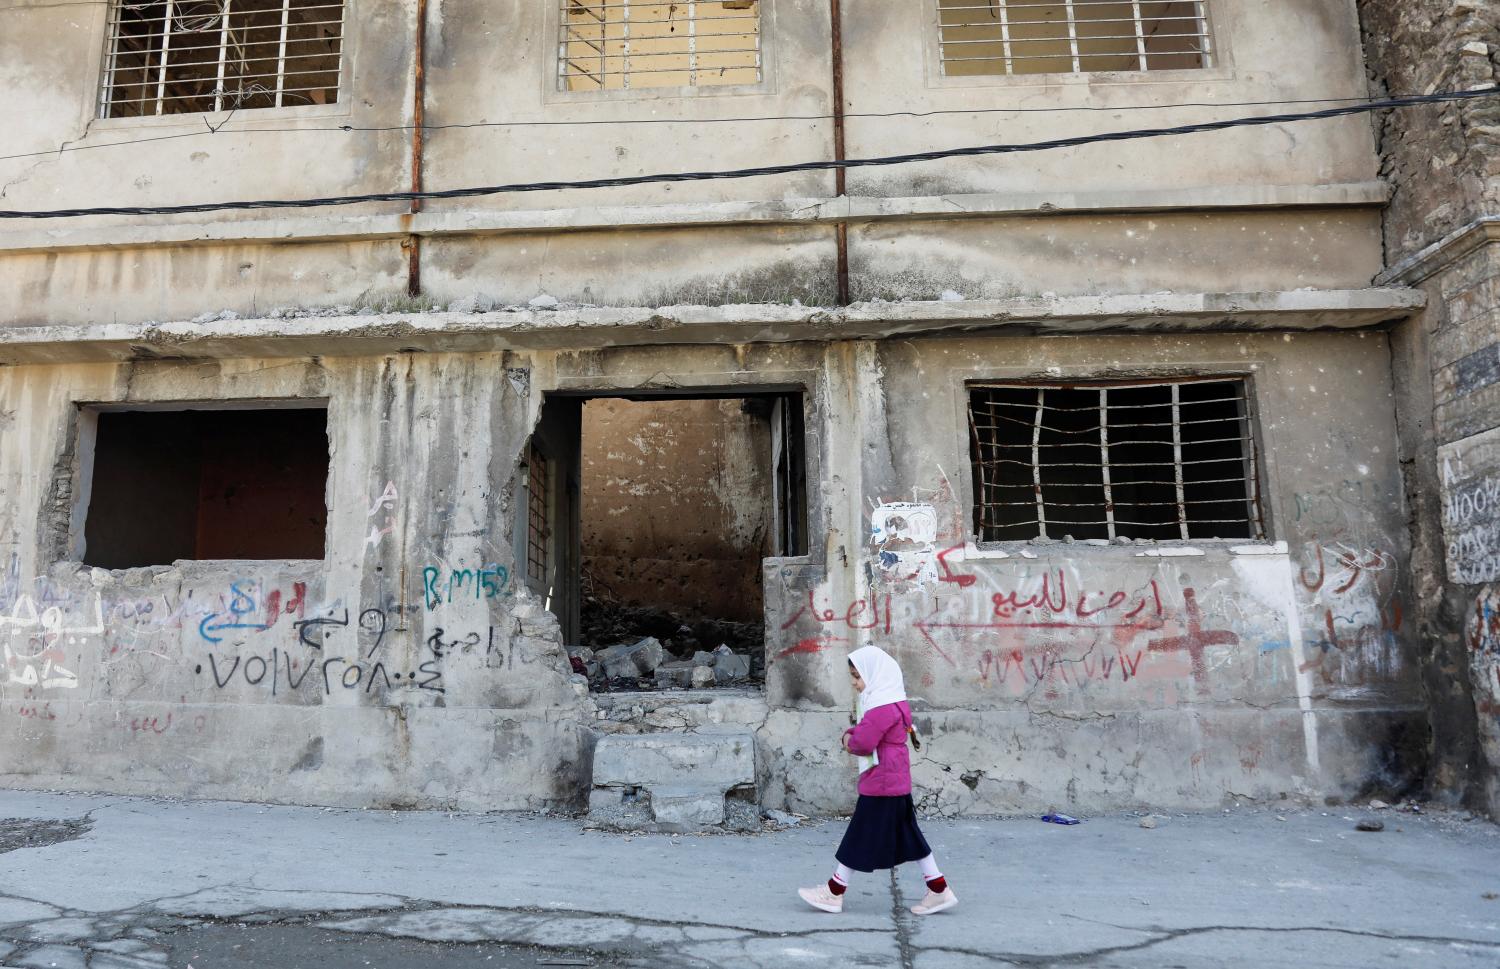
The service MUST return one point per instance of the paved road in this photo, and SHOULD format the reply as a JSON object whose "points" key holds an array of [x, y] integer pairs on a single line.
{"points": [[129, 883]]}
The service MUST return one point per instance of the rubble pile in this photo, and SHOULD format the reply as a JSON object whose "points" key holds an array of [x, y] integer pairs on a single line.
{"points": [[627, 647]]}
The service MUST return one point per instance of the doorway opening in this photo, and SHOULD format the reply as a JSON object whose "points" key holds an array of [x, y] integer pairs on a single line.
{"points": [[647, 520]]}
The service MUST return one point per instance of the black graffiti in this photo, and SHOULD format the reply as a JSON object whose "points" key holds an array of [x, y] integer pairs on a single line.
{"points": [[302, 626], [335, 672], [441, 645]]}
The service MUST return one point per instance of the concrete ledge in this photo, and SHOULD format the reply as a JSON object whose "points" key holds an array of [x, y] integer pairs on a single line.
{"points": [[745, 323], [1445, 252], [318, 226]]}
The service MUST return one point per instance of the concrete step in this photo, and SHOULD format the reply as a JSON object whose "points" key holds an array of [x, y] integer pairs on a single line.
{"points": [[674, 782]]}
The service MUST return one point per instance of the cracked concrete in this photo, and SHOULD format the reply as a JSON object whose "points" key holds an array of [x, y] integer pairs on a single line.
{"points": [[160, 883]]}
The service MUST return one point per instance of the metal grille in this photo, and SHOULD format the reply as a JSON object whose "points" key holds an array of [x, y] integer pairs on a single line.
{"points": [[537, 532], [183, 56], [1162, 461], [619, 44], [986, 37]]}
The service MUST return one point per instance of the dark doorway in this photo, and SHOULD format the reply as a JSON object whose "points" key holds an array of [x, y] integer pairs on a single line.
{"points": [[674, 504]]}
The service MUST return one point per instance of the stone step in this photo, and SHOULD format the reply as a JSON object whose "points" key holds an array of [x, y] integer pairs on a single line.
{"points": [[674, 781]]}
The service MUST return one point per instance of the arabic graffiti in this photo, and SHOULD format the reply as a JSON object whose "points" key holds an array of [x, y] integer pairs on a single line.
{"points": [[36, 642]]}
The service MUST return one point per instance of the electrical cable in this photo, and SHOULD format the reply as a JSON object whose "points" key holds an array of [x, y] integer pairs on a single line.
{"points": [[748, 119], [786, 169]]}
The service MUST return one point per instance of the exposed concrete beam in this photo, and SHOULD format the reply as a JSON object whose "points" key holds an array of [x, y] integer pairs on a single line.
{"points": [[320, 226], [745, 323]]}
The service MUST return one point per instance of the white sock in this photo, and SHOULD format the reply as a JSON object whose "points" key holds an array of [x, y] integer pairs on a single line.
{"points": [[930, 868], [842, 874]]}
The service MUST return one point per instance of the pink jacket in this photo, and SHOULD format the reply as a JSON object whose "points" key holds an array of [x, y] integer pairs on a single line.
{"points": [[883, 730]]}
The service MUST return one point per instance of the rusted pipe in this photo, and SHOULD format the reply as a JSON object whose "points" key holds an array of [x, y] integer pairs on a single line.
{"points": [[418, 113], [841, 228]]}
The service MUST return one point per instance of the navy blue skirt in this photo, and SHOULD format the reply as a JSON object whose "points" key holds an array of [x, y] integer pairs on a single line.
{"points": [[882, 834]]}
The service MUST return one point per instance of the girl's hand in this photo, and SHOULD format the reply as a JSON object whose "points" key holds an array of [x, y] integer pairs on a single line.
{"points": [[845, 742]]}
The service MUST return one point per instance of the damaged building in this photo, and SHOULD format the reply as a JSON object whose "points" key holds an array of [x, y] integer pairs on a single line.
{"points": [[1149, 461]]}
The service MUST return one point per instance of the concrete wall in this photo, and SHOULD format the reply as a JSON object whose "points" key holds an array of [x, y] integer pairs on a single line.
{"points": [[342, 681], [1283, 667], [154, 679], [1439, 235], [677, 504], [713, 242]]}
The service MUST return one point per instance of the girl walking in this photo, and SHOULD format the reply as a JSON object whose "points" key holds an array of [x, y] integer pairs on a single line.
{"points": [[883, 832]]}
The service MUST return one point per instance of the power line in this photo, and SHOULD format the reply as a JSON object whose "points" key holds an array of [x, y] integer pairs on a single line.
{"points": [[881, 161], [633, 122]]}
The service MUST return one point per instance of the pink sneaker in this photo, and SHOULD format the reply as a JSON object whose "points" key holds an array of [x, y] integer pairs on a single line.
{"points": [[820, 897], [935, 902]]}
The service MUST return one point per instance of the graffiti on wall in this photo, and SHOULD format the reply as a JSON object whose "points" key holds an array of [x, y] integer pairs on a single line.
{"points": [[37, 638], [1470, 477]]}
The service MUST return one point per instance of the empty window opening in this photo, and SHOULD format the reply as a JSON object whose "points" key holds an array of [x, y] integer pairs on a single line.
{"points": [[206, 484], [1157, 461], [607, 45], [184, 56], [987, 37], [678, 503]]}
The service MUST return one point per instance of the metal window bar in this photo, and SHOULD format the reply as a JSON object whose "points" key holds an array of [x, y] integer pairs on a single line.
{"points": [[1177, 459], [1099, 468], [537, 532], [1005, 37], [657, 43], [187, 56]]}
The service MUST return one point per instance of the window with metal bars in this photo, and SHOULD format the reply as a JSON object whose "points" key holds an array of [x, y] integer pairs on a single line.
{"points": [[988, 37], [185, 56], [538, 532], [1155, 461], [606, 45]]}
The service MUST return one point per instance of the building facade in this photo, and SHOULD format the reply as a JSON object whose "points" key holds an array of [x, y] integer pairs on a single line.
{"points": [[1102, 442]]}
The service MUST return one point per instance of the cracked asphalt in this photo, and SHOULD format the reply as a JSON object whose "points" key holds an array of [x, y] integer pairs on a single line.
{"points": [[104, 882]]}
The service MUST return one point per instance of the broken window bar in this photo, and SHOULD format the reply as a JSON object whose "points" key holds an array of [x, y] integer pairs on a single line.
{"points": [[1073, 35], [1005, 39], [1036, 463], [1140, 33], [1109, 501], [1177, 458], [223, 55], [166, 44]]}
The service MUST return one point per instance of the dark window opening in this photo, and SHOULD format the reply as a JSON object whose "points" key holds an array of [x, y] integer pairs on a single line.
{"points": [[207, 484], [674, 503], [1160, 461]]}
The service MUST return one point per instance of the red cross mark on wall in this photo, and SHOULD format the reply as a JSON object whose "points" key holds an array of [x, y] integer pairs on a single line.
{"points": [[1195, 640]]}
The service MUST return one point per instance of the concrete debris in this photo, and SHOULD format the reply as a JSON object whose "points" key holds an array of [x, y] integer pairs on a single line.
{"points": [[784, 818], [1148, 822], [678, 674], [637, 659], [1378, 805], [730, 667], [1370, 825], [543, 302], [704, 676]]}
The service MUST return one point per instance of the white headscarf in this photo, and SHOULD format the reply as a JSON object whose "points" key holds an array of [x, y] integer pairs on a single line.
{"points": [[882, 675]]}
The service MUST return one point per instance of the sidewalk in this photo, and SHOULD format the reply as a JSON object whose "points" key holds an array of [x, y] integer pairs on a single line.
{"points": [[142, 884]]}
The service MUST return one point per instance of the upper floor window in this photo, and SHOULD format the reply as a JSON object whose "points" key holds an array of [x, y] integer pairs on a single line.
{"points": [[988, 37], [608, 45], [184, 56], [1120, 460]]}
